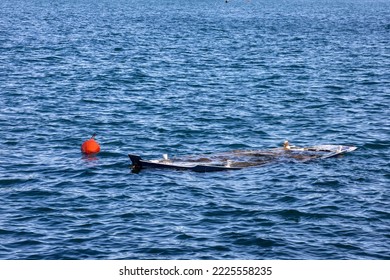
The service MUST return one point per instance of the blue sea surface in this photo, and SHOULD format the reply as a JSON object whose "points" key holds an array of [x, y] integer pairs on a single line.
{"points": [[193, 77]]}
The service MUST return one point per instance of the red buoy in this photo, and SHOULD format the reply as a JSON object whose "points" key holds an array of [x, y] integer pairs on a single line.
{"points": [[90, 146]]}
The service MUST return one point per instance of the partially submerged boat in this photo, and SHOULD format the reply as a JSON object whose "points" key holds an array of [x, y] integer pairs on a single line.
{"points": [[239, 159]]}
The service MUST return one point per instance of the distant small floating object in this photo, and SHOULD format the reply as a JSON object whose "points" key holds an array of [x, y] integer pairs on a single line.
{"points": [[90, 146]]}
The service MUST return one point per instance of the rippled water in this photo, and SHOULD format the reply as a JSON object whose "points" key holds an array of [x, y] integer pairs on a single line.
{"points": [[187, 77]]}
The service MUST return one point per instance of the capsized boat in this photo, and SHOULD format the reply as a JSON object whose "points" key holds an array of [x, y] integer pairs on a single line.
{"points": [[239, 159]]}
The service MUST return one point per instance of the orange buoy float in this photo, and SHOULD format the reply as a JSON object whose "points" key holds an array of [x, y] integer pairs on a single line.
{"points": [[90, 146]]}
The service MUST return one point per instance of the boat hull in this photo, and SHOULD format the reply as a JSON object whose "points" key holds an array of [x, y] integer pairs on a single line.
{"points": [[239, 159], [139, 163]]}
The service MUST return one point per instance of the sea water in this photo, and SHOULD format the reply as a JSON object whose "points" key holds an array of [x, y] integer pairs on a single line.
{"points": [[193, 77]]}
